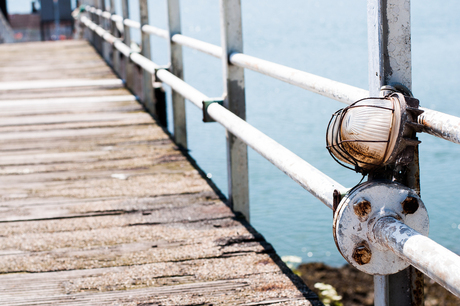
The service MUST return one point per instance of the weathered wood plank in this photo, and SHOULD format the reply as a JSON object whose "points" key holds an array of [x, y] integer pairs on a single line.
{"points": [[99, 207]]}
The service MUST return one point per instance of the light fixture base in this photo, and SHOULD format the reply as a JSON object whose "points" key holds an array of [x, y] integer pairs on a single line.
{"points": [[359, 211]]}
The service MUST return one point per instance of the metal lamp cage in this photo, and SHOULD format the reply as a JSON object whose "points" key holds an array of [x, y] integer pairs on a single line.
{"points": [[341, 149]]}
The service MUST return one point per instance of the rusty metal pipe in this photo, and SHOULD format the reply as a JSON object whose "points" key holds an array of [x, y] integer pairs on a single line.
{"points": [[440, 125], [434, 260]]}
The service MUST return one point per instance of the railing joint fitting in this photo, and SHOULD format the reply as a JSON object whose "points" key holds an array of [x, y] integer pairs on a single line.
{"points": [[206, 103], [165, 67], [129, 56]]}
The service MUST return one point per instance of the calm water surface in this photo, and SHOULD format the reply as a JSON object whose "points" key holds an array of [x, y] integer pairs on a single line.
{"points": [[328, 38]]}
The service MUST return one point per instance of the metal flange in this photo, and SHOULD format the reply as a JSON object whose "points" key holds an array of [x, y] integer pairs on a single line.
{"points": [[357, 214]]}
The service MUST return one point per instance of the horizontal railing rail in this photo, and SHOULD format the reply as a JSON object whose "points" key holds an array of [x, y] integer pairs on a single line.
{"points": [[307, 176], [435, 123], [437, 262], [420, 251], [155, 31]]}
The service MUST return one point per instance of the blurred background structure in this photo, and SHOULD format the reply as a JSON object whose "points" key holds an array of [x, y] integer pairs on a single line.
{"points": [[44, 20]]}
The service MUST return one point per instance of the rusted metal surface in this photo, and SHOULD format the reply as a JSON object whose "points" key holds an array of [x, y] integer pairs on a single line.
{"points": [[434, 260], [409, 205], [356, 216], [389, 49], [362, 253], [362, 210], [99, 207], [440, 125]]}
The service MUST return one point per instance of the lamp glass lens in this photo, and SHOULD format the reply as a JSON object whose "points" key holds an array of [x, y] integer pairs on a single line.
{"points": [[366, 128]]}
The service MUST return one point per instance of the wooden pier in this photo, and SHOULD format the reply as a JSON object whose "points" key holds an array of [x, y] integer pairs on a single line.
{"points": [[99, 207]]}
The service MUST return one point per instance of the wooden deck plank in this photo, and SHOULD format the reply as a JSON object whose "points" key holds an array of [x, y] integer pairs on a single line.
{"points": [[99, 207]]}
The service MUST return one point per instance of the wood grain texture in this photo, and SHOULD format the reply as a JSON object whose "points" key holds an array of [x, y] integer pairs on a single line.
{"points": [[99, 207]]}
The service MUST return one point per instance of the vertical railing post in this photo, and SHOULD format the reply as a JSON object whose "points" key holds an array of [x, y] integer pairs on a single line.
{"points": [[78, 34], [87, 33], [178, 102], [115, 54], [234, 100], [389, 39], [147, 86], [92, 35], [103, 24], [97, 20], [129, 67]]}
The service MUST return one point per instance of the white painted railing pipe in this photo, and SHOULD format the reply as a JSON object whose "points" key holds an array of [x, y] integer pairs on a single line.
{"points": [[434, 260], [100, 31], [184, 89], [123, 48], [198, 45], [307, 176], [106, 15], [132, 24], [116, 18], [335, 90], [440, 125], [155, 31], [144, 62]]}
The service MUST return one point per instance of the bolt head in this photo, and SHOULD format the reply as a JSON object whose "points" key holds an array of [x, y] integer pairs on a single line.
{"points": [[362, 254], [362, 210], [409, 205]]}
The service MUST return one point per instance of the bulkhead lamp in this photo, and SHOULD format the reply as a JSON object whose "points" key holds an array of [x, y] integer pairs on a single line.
{"points": [[374, 132]]}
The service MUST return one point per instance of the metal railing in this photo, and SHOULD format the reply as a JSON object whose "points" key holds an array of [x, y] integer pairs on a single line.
{"points": [[426, 255]]}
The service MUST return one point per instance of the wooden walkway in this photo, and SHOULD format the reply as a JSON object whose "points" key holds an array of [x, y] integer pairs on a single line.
{"points": [[98, 207]]}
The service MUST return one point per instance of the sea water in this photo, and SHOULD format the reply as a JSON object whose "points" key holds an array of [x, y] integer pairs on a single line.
{"points": [[327, 38]]}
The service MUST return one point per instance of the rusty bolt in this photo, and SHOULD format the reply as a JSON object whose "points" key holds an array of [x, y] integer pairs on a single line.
{"points": [[362, 253], [409, 205], [362, 210]]}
